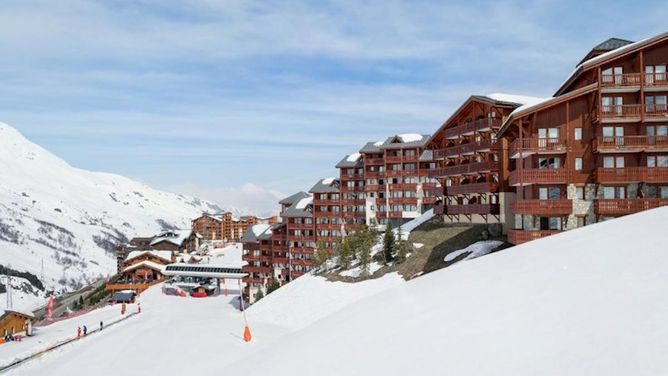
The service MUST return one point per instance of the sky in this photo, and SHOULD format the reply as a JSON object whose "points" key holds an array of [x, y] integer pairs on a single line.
{"points": [[243, 102]]}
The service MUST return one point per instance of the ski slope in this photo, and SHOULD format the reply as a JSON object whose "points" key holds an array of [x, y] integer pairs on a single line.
{"points": [[585, 302]]}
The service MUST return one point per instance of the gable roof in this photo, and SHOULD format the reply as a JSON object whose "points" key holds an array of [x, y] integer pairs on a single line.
{"points": [[255, 233], [8, 312], [609, 56], [327, 185], [293, 198], [146, 263], [351, 160], [163, 255], [608, 45], [300, 208]]}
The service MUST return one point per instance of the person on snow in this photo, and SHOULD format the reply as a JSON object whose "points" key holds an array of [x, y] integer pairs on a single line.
{"points": [[78, 331], [85, 330], [101, 325]]}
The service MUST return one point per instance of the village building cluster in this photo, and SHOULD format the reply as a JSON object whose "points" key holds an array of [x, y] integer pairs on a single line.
{"points": [[596, 150]]}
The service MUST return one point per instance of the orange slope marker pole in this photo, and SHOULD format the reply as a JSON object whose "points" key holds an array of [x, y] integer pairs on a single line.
{"points": [[247, 333]]}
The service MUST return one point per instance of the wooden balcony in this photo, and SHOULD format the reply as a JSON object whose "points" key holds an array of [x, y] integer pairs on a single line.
{"points": [[616, 207], [374, 174], [429, 200], [433, 189], [620, 82], [656, 112], [632, 175], [280, 260], [327, 202], [621, 113], [631, 144], [374, 161], [392, 159], [655, 81], [528, 176], [139, 287], [462, 189], [439, 209], [352, 202], [403, 200], [534, 145], [393, 173], [465, 149], [258, 269], [473, 209], [326, 214], [546, 208], [300, 226], [403, 187], [521, 236], [472, 127], [465, 169], [410, 158]]}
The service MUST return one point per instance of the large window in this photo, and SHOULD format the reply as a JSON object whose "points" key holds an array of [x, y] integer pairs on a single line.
{"points": [[614, 192], [612, 105], [657, 161], [612, 75], [655, 73], [656, 103], [554, 162], [613, 162]]}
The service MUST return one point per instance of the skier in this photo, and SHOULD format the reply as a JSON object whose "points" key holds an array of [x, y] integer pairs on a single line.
{"points": [[85, 330], [78, 331], [101, 325]]}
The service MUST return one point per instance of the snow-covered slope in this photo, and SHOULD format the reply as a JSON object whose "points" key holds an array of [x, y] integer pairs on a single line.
{"points": [[586, 302], [70, 218]]}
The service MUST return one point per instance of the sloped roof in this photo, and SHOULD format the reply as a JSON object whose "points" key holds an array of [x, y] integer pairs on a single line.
{"points": [[164, 255], [327, 185], [15, 312], [255, 233], [608, 45], [403, 141], [148, 264], [348, 161], [300, 208], [177, 237], [293, 198], [427, 156]]}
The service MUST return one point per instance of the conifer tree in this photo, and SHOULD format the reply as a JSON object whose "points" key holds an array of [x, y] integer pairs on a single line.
{"points": [[388, 243]]}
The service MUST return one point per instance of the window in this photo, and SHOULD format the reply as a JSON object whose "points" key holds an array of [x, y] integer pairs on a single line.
{"points": [[656, 104], [612, 75], [555, 223], [657, 161], [654, 73], [613, 162], [554, 162], [579, 193], [610, 193], [582, 221], [578, 164], [657, 130], [612, 105], [663, 192], [578, 133]]}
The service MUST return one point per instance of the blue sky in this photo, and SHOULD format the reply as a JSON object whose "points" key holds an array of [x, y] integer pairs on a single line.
{"points": [[241, 102]]}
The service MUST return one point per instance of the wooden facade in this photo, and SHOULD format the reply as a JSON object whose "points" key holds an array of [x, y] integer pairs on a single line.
{"points": [[596, 150], [13, 322]]}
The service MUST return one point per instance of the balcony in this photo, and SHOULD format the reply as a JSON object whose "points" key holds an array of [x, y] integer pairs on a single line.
{"points": [[392, 159], [465, 149], [620, 113], [462, 189], [616, 207], [521, 236], [464, 169], [403, 200], [328, 202], [631, 144], [546, 208], [528, 176], [620, 83], [439, 209], [632, 175], [429, 200], [374, 174], [529, 146], [374, 161], [480, 125], [473, 209], [352, 202], [410, 158], [656, 112], [258, 269], [403, 187], [656, 81]]}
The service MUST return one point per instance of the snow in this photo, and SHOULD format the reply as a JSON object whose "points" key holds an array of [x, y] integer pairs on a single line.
{"points": [[304, 202], [175, 237], [379, 143], [328, 181], [354, 157], [410, 137], [229, 256], [260, 229], [53, 212], [475, 250], [418, 245], [512, 98], [530, 105], [165, 255], [357, 271], [147, 263], [409, 226], [589, 301]]}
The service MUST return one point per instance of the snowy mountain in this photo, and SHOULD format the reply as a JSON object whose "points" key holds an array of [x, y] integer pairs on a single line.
{"points": [[585, 302], [70, 219]]}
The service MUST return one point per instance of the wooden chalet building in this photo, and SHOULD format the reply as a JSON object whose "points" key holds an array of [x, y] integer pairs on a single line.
{"points": [[209, 226], [328, 222], [141, 269], [598, 149], [387, 181], [469, 158], [15, 322], [258, 253]]}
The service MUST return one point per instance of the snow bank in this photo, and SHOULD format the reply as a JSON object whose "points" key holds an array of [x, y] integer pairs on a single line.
{"points": [[310, 298], [357, 271], [407, 227], [474, 250]]}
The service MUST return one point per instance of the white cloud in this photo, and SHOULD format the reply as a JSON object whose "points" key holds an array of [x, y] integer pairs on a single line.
{"points": [[247, 198]]}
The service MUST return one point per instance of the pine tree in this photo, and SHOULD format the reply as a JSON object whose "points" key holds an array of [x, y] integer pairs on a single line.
{"points": [[345, 252], [388, 243], [321, 255], [402, 251], [273, 286], [259, 295]]}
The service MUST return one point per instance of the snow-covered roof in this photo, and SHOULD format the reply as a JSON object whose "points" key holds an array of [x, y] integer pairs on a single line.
{"points": [[513, 98], [301, 204], [293, 198], [176, 237], [146, 263], [18, 312], [327, 185], [299, 208], [165, 255], [353, 157], [347, 162]]}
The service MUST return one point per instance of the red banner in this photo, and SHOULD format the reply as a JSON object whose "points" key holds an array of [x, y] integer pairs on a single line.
{"points": [[50, 308]]}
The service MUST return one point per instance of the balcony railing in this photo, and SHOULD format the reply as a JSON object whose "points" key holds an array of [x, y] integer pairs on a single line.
{"points": [[627, 206], [390, 173], [542, 207], [479, 125], [656, 111], [393, 159], [468, 168], [463, 149], [632, 174], [485, 187], [620, 80], [656, 79], [521, 236], [528, 146], [439, 209], [529, 176], [623, 111], [374, 161], [473, 209], [631, 143]]}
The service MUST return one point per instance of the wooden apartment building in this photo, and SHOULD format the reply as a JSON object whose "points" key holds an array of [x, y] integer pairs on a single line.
{"points": [[598, 149]]}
